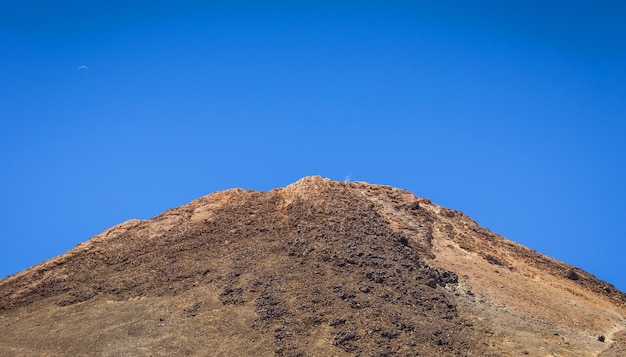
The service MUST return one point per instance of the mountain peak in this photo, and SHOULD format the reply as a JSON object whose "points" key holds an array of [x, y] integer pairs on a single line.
{"points": [[320, 267]]}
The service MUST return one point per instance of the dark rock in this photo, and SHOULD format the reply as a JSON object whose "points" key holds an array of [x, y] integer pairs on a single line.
{"points": [[571, 274]]}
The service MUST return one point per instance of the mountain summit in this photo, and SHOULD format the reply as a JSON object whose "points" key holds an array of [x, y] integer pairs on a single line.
{"points": [[318, 268]]}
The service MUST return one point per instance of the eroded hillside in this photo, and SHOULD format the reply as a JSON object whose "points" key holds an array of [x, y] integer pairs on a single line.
{"points": [[318, 268]]}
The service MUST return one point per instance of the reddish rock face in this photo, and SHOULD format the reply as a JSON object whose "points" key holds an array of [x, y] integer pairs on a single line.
{"points": [[318, 268]]}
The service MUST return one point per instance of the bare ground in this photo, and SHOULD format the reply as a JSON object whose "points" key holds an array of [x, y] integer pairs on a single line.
{"points": [[319, 268]]}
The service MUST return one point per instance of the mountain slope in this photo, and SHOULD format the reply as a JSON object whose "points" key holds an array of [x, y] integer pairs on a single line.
{"points": [[317, 268]]}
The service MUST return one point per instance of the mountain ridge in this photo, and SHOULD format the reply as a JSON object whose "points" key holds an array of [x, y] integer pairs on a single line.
{"points": [[319, 267]]}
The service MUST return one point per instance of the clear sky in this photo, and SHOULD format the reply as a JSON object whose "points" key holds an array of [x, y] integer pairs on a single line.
{"points": [[512, 112]]}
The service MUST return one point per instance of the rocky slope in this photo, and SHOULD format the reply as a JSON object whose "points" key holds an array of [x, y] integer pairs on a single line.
{"points": [[319, 268]]}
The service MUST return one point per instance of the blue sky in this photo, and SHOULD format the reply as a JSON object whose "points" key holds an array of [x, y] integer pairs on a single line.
{"points": [[512, 113]]}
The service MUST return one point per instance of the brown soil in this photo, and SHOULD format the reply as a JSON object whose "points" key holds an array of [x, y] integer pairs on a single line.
{"points": [[319, 268]]}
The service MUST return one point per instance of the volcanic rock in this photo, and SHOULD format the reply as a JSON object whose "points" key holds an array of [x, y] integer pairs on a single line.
{"points": [[318, 268]]}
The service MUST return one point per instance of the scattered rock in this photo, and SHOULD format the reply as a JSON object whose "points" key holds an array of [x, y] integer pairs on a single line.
{"points": [[493, 260], [572, 275], [344, 267]]}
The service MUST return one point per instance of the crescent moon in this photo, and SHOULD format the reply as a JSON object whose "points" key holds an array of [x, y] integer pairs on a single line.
{"points": [[83, 68]]}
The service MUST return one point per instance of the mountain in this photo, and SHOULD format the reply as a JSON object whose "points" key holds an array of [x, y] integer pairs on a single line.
{"points": [[318, 268]]}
